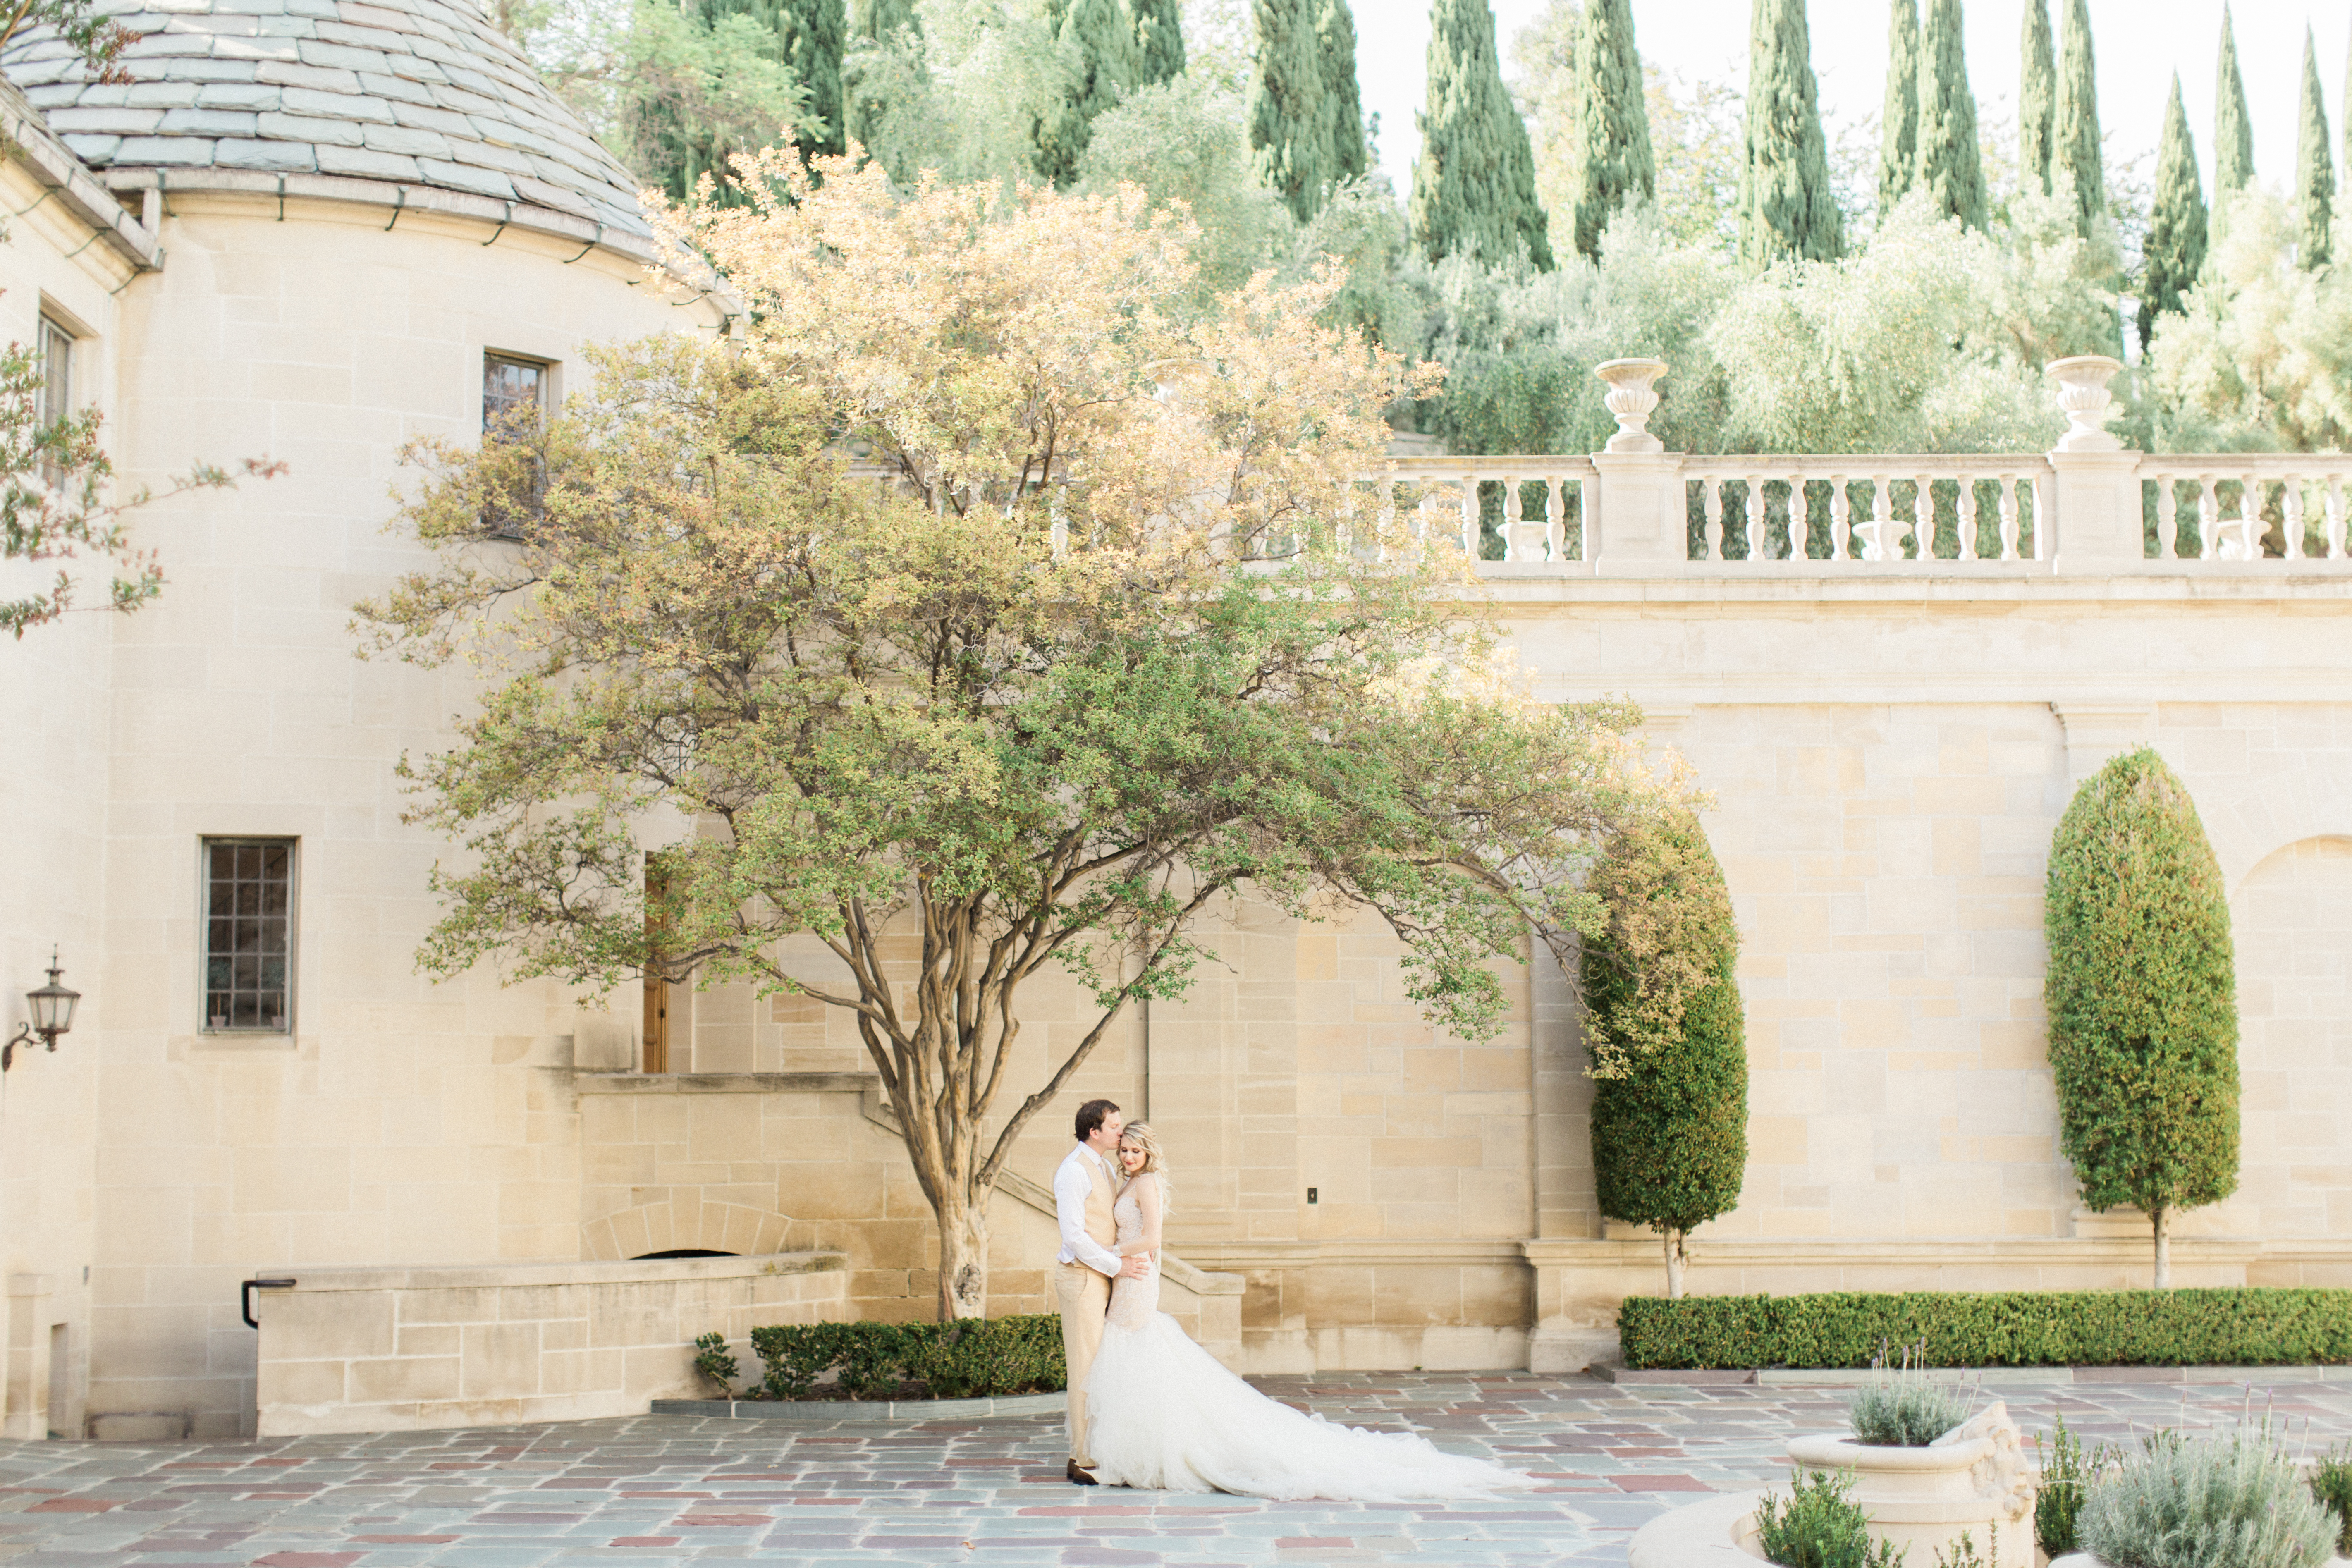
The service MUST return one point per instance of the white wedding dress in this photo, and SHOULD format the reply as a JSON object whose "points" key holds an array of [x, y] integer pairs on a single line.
{"points": [[1164, 1414]]}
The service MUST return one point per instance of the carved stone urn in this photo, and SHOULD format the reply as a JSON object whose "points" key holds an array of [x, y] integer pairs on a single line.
{"points": [[1973, 1477], [1633, 398], [2083, 397]]}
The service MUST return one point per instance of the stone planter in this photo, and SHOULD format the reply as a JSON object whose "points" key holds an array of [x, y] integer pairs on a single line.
{"points": [[1974, 1477]]}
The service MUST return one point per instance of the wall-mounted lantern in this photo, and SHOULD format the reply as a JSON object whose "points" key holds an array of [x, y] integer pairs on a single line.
{"points": [[52, 1010]]}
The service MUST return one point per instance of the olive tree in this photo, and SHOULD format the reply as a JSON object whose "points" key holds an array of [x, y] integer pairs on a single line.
{"points": [[982, 615], [2142, 996]]}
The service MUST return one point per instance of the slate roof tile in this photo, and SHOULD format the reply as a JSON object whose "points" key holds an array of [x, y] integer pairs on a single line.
{"points": [[422, 92]]}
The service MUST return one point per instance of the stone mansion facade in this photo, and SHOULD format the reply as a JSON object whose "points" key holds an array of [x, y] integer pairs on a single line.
{"points": [[314, 230]]}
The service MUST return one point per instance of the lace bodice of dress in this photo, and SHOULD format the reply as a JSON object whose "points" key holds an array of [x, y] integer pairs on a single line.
{"points": [[1132, 1302]]}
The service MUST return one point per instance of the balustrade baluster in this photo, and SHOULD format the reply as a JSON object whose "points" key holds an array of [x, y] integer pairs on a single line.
{"points": [[1923, 519], [1801, 522], [1882, 517], [2209, 514], [2335, 502], [2009, 519], [1840, 519], [1754, 517], [2167, 518], [2291, 517], [1968, 513], [1470, 516], [2249, 514], [1512, 548], [1710, 504], [1555, 516]]}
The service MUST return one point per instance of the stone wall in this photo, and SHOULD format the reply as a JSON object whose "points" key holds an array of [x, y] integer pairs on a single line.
{"points": [[399, 1350]]}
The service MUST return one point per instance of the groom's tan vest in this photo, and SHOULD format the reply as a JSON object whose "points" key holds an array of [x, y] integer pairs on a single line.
{"points": [[1101, 1224]]}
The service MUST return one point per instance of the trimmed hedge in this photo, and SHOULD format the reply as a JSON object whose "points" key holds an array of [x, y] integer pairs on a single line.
{"points": [[973, 1358], [2009, 1328]]}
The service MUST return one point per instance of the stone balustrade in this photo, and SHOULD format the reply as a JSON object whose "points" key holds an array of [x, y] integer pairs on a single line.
{"points": [[2090, 506]]}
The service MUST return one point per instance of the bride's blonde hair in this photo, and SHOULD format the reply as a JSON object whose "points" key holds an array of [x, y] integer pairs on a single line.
{"points": [[1139, 1133]]}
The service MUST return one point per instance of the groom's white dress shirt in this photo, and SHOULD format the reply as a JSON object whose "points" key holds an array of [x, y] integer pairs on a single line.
{"points": [[1072, 1182]]}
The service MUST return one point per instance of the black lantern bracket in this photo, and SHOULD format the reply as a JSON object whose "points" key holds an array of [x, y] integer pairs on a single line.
{"points": [[51, 1009]]}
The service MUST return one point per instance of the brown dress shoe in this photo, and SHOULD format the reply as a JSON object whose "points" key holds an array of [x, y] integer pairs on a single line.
{"points": [[1080, 1478]]}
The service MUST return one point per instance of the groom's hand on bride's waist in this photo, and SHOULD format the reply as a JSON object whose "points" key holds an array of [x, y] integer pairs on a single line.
{"points": [[1135, 1268]]}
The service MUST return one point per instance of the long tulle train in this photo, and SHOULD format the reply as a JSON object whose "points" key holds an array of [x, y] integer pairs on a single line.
{"points": [[1165, 1414]]}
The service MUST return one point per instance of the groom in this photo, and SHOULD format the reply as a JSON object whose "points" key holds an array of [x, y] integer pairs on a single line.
{"points": [[1083, 1191]]}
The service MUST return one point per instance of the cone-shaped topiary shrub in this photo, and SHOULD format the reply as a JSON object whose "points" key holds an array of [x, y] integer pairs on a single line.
{"points": [[1666, 1036], [2143, 1000]]}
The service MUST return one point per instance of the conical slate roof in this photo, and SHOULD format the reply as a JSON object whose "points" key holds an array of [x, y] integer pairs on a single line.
{"points": [[412, 92]]}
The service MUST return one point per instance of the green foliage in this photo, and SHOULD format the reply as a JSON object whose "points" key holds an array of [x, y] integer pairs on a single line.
{"points": [[88, 31], [706, 83], [2211, 1500], [2260, 357], [2331, 1483], [1614, 162], [1787, 209], [1964, 1553], [2141, 991], [2174, 251], [714, 1361], [1664, 1032], [2007, 1327], [1819, 1525], [2315, 171], [2078, 152], [1474, 186], [1096, 42], [1182, 141], [973, 1358], [1951, 170], [1905, 1409], [2037, 100], [1159, 41], [2233, 130], [2067, 1470], [1898, 118]]}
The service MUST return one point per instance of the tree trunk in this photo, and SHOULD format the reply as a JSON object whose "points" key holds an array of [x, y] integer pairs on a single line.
{"points": [[963, 1257], [2162, 1220], [1675, 1257]]}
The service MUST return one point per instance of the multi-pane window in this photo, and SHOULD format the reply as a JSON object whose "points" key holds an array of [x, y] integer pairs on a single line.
{"points": [[249, 934], [57, 385], [514, 401]]}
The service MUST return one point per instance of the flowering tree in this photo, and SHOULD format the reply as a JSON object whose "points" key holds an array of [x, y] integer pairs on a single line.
{"points": [[978, 610]]}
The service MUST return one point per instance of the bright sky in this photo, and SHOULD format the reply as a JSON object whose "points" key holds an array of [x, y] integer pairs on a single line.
{"points": [[2139, 45]]}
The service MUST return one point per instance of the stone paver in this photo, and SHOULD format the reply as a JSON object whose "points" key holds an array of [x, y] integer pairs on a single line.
{"points": [[677, 1489]]}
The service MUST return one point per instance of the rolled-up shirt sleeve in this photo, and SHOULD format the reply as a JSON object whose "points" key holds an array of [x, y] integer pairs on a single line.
{"points": [[1071, 1185]]}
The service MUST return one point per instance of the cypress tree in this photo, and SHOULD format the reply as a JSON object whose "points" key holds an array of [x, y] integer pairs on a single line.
{"points": [[2233, 130], [1951, 169], [1343, 103], [1098, 37], [2077, 148], [1290, 122], [2315, 171], [2175, 248], [878, 19], [1474, 188], [1786, 206], [2037, 100], [1613, 164], [1666, 1038], [1898, 117], [1159, 41], [2141, 992]]}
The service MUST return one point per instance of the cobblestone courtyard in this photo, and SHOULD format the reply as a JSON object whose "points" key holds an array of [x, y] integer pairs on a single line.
{"points": [[671, 1488]]}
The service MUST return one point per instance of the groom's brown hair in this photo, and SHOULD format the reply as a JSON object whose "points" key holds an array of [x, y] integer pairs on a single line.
{"points": [[1090, 1116]]}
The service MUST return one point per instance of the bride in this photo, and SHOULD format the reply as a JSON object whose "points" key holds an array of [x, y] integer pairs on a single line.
{"points": [[1168, 1416]]}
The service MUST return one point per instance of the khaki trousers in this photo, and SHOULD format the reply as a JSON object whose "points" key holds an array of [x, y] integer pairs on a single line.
{"points": [[1085, 1296]]}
